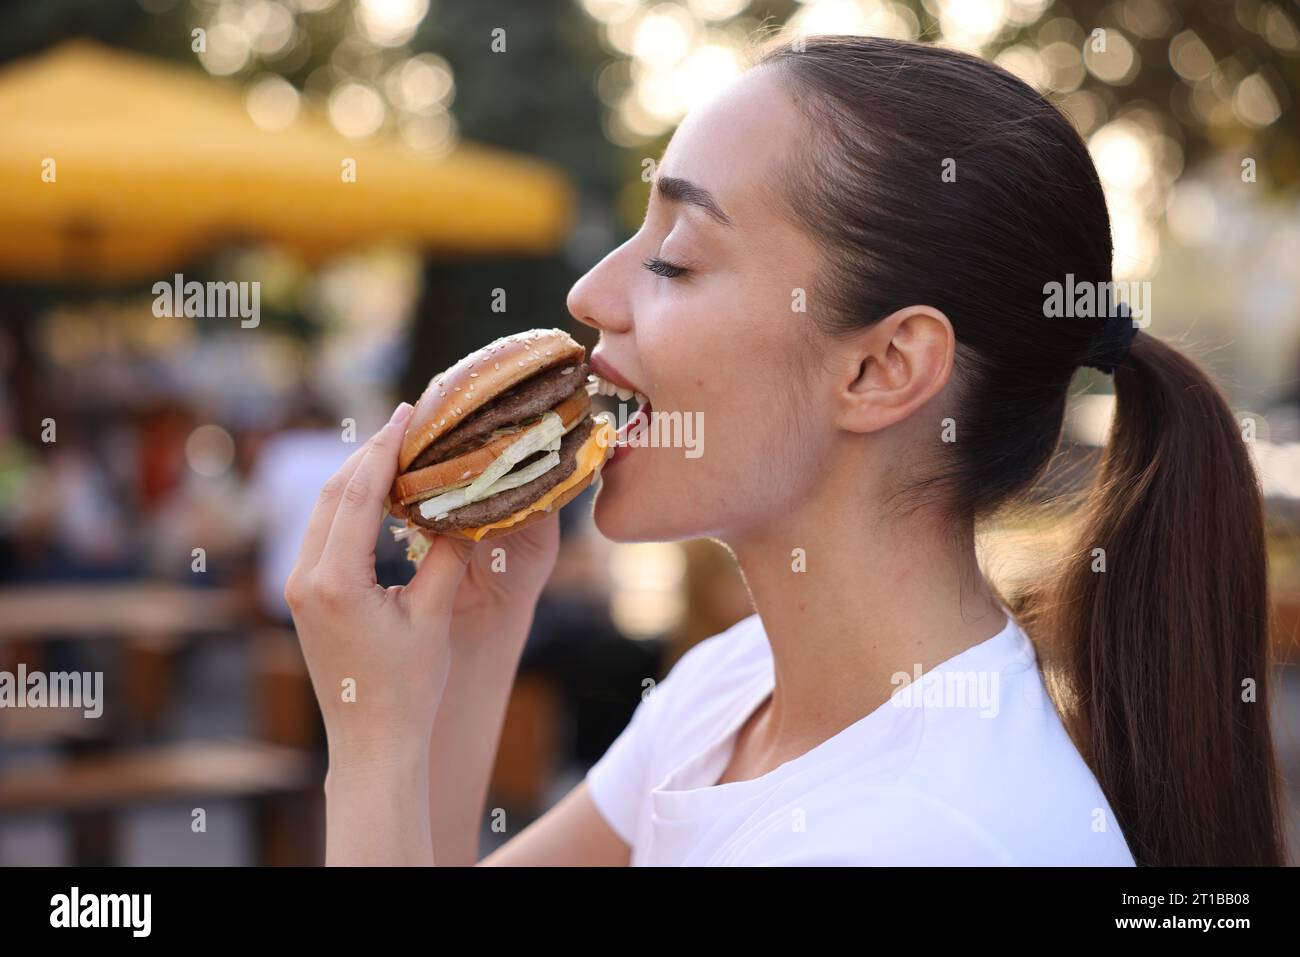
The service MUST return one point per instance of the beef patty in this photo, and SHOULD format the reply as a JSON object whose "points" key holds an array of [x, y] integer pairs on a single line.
{"points": [[503, 504], [529, 398]]}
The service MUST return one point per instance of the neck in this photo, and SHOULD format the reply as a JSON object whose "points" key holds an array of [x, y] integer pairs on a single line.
{"points": [[877, 597]]}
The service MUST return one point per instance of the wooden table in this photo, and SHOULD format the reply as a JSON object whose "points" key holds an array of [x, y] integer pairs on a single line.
{"points": [[150, 622], [113, 610]]}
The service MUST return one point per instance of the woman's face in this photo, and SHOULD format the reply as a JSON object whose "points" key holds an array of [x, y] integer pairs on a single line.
{"points": [[718, 348]]}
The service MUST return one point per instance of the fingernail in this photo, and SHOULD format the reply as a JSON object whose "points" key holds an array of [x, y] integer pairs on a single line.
{"points": [[401, 412]]}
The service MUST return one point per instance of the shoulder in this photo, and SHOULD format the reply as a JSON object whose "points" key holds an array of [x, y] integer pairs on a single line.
{"points": [[700, 685], [1003, 760], [673, 720], [703, 687]]}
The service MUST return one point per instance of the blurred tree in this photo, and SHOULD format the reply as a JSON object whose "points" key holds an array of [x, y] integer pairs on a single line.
{"points": [[535, 96]]}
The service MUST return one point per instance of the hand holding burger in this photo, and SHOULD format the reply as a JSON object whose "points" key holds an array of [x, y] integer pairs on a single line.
{"points": [[378, 657], [385, 661]]}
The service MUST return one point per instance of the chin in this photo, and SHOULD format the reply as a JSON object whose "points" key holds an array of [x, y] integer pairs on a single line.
{"points": [[619, 517], [624, 514]]}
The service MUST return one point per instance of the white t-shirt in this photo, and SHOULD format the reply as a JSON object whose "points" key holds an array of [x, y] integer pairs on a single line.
{"points": [[970, 765]]}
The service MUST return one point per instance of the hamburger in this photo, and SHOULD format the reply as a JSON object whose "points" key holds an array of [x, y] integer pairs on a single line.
{"points": [[499, 440]]}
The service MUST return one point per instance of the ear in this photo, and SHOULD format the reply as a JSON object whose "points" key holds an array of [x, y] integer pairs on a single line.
{"points": [[901, 363]]}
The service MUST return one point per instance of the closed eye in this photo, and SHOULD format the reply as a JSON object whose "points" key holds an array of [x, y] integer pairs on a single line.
{"points": [[661, 267]]}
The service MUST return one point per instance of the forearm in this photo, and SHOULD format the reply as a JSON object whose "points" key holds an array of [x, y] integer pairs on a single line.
{"points": [[467, 732], [377, 815]]}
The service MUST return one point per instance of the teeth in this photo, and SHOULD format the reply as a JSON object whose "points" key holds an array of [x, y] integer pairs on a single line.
{"points": [[605, 387]]}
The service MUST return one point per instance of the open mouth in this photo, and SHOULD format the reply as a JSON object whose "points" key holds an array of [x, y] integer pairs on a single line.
{"points": [[628, 406]]}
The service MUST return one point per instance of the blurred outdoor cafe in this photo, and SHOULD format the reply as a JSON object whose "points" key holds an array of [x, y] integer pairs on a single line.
{"points": [[157, 470]]}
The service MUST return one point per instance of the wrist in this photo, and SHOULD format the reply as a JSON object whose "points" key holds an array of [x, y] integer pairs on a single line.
{"points": [[491, 633], [377, 812], [354, 762]]}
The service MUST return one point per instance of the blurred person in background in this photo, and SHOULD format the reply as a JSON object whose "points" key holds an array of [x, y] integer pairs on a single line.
{"points": [[292, 464], [210, 507], [64, 518]]}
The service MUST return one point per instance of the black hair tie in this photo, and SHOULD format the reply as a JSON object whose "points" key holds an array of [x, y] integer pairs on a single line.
{"points": [[1113, 343]]}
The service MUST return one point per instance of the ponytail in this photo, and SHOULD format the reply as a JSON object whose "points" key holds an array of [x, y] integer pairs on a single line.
{"points": [[1162, 659]]}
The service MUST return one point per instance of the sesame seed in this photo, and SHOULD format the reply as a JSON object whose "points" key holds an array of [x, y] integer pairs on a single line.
{"points": [[457, 388], [473, 375], [442, 393], [496, 365]]}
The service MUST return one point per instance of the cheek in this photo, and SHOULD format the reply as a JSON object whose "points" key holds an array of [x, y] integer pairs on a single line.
{"points": [[722, 357], [767, 456], [751, 469]]}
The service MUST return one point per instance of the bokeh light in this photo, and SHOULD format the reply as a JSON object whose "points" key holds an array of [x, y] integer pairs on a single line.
{"points": [[647, 580], [209, 450], [272, 102], [390, 22], [356, 110]]}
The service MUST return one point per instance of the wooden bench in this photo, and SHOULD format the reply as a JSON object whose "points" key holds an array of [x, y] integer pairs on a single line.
{"points": [[149, 621], [97, 776], [27, 726], [89, 789], [116, 610]]}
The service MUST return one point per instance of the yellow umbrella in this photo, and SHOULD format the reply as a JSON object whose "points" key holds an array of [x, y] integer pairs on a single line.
{"points": [[115, 166]]}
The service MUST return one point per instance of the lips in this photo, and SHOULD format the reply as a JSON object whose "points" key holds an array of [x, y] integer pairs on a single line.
{"points": [[607, 381]]}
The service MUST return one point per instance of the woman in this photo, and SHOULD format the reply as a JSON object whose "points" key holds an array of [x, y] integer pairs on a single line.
{"points": [[843, 269]]}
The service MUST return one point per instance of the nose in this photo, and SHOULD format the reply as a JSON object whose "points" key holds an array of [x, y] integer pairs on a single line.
{"points": [[599, 298]]}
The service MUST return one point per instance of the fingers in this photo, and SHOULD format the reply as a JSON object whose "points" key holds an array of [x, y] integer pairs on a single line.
{"points": [[539, 536], [350, 544], [433, 588]]}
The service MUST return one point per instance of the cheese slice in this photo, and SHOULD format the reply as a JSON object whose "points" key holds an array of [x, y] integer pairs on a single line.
{"points": [[589, 459]]}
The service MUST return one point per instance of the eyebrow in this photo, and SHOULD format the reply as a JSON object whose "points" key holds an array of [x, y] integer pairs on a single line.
{"points": [[676, 190]]}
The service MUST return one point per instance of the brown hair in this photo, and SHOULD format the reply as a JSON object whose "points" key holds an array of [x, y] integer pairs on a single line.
{"points": [[1155, 652]]}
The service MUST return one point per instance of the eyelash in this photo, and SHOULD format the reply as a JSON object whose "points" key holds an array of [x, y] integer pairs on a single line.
{"points": [[663, 268]]}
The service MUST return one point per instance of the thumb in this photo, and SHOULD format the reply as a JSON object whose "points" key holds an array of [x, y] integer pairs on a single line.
{"points": [[441, 569]]}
